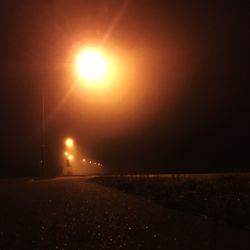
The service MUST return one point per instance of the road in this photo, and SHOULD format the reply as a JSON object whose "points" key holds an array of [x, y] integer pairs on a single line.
{"points": [[75, 213]]}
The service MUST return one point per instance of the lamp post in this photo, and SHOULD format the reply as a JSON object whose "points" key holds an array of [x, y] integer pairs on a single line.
{"points": [[43, 132], [94, 67], [69, 143]]}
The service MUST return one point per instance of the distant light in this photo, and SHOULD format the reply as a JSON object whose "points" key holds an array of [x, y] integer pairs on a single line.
{"points": [[66, 153], [84, 160], [90, 162], [70, 157], [69, 142]]}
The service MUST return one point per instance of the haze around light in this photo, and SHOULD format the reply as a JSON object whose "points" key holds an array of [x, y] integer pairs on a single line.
{"points": [[93, 66]]}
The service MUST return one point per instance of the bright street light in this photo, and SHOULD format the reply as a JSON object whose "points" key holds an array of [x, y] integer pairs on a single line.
{"points": [[91, 65], [94, 66], [69, 142]]}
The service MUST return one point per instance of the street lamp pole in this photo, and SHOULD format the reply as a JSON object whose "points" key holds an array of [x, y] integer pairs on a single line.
{"points": [[43, 131]]}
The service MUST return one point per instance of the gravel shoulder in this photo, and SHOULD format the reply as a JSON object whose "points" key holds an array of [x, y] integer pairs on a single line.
{"points": [[79, 214]]}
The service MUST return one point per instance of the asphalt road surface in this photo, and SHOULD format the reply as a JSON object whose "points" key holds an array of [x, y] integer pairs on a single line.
{"points": [[75, 213]]}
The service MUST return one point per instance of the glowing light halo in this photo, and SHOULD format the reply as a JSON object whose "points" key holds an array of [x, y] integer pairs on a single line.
{"points": [[69, 142], [92, 65]]}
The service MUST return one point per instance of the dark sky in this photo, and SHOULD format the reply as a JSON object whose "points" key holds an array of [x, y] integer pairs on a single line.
{"points": [[184, 101]]}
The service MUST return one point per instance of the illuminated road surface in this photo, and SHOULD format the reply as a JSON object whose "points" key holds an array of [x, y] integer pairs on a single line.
{"points": [[74, 213]]}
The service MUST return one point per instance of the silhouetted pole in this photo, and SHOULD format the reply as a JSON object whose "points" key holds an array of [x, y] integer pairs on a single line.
{"points": [[43, 133]]}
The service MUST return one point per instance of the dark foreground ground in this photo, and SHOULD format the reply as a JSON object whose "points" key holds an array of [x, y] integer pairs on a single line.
{"points": [[75, 213], [225, 198]]}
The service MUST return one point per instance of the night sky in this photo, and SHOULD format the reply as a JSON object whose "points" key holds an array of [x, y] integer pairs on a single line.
{"points": [[183, 103]]}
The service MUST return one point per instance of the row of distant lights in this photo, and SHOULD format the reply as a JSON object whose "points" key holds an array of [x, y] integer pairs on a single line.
{"points": [[69, 144], [92, 162]]}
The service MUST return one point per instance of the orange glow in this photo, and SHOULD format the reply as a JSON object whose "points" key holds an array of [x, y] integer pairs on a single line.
{"points": [[69, 142], [66, 153], [70, 157], [94, 66], [121, 103]]}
